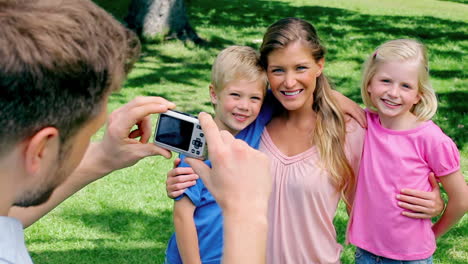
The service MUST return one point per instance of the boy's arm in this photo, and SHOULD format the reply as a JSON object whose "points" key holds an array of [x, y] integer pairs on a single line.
{"points": [[186, 233], [457, 190]]}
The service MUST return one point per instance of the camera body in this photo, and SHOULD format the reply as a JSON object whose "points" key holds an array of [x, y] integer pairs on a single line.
{"points": [[182, 133]]}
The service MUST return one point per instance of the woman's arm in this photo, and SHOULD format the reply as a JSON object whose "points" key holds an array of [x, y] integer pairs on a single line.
{"points": [[186, 232], [421, 204], [179, 179], [457, 190], [351, 108]]}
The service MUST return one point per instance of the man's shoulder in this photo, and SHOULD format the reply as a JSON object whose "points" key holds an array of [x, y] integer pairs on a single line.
{"points": [[12, 247]]}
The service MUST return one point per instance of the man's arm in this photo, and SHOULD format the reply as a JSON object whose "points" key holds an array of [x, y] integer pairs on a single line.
{"points": [[186, 232], [240, 181], [121, 147]]}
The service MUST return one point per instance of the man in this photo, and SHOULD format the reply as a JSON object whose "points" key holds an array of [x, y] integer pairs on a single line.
{"points": [[60, 60]]}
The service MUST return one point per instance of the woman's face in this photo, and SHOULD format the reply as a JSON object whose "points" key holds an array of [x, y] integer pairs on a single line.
{"points": [[292, 73]]}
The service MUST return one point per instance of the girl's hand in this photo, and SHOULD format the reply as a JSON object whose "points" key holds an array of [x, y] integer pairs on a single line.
{"points": [[179, 179], [349, 107], [422, 204]]}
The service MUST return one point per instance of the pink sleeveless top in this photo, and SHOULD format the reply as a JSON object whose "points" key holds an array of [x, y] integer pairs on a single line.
{"points": [[303, 203]]}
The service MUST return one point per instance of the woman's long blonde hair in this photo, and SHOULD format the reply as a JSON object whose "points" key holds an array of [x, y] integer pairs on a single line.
{"points": [[330, 130]]}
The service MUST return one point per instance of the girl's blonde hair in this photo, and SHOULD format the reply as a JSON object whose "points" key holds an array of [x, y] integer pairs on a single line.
{"points": [[330, 130], [402, 50]]}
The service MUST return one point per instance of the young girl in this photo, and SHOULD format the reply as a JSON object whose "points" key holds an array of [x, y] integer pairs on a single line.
{"points": [[402, 146]]}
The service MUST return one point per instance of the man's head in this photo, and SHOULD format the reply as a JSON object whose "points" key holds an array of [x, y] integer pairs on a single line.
{"points": [[238, 87], [60, 59]]}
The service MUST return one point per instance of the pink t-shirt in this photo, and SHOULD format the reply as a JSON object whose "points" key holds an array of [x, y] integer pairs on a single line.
{"points": [[393, 160], [303, 203]]}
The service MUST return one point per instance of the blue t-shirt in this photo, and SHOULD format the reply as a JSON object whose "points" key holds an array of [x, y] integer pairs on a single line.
{"points": [[208, 216]]}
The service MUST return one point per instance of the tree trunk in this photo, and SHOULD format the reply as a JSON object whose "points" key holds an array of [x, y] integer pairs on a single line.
{"points": [[167, 18]]}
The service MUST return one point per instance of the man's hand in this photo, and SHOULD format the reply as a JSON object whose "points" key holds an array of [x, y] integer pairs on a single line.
{"points": [[241, 184], [239, 173], [119, 149], [120, 146]]}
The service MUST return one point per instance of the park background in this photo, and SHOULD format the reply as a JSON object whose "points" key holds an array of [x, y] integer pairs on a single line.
{"points": [[126, 216]]}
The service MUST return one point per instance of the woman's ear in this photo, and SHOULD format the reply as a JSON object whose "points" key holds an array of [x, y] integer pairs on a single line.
{"points": [[42, 147], [213, 96], [321, 64]]}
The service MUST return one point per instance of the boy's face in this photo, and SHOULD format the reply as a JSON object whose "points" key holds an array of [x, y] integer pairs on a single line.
{"points": [[237, 104]]}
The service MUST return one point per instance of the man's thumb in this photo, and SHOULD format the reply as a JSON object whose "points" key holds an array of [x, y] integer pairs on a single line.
{"points": [[201, 169]]}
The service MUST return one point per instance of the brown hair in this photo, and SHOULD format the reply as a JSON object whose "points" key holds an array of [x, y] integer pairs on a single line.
{"points": [[59, 60], [330, 130]]}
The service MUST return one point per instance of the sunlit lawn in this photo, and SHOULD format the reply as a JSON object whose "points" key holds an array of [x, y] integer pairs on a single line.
{"points": [[126, 217]]}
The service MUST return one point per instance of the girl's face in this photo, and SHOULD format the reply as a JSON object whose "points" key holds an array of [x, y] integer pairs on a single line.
{"points": [[292, 73], [393, 90]]}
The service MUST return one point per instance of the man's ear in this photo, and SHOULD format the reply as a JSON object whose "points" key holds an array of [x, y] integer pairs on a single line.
{"points": [[213, 96], [42, 146]]}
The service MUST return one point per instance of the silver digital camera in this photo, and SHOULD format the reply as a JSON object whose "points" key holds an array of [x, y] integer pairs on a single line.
{"points": [[182, 133]]}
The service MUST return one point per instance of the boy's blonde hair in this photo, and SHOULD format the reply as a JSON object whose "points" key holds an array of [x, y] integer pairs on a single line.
{"points": [[403, 50], [237, 63]]}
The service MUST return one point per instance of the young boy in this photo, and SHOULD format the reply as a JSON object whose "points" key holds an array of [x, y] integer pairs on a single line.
{"points": [[238, 87]]}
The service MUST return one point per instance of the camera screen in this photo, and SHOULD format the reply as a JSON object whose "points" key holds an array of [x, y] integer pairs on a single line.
{"points": [[174, 132]]}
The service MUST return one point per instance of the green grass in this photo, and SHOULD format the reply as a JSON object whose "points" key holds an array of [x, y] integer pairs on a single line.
{"points": [[126, 218]]}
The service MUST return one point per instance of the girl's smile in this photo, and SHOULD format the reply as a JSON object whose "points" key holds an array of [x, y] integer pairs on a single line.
{"points": [[394, 91]]}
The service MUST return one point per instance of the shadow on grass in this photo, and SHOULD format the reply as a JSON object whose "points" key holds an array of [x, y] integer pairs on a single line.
{"points": [[98, 255], [452, 116], [148, 234], [343, 31]]}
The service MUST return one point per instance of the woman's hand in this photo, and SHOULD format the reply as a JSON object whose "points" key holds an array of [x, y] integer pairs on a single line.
{"points": [[420, 204], [179, 179]]}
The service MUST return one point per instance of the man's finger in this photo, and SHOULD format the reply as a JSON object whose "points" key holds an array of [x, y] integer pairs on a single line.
{"points": [[201, 169], [145, 128], [145, 150], [144, 100], [210, 129]]}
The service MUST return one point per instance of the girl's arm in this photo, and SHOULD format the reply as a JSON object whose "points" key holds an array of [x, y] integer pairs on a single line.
{"points": [[186, 233], [457, 190]]}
